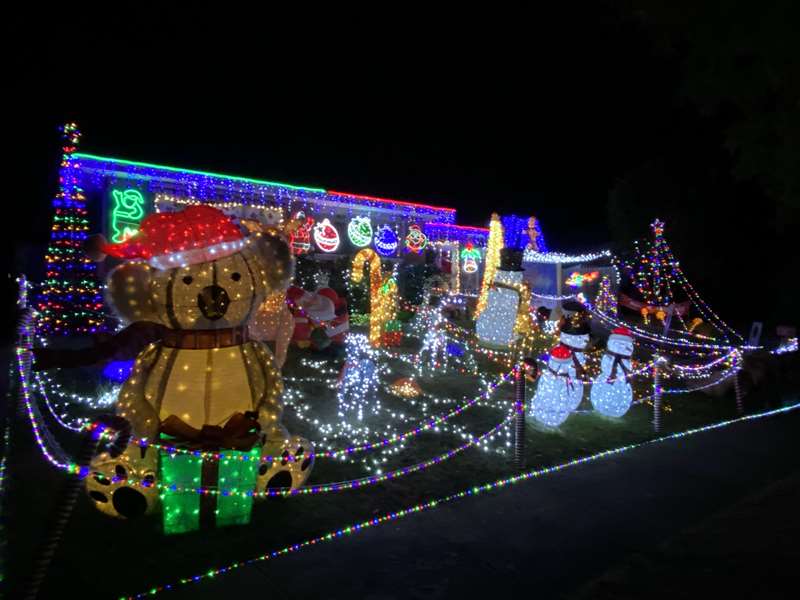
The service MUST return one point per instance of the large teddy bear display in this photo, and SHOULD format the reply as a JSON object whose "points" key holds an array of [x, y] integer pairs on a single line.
{"points": [[204, 382]]}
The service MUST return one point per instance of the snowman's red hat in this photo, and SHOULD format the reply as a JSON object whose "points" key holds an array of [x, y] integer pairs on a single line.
{"points": [[620, 334], [191, 236], [560, 355]]}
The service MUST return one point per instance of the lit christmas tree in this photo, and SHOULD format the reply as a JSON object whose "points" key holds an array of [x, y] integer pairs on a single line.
{"points": [[656, 274], [493, 247], [606, 301], [70, 301], [652, 274]]}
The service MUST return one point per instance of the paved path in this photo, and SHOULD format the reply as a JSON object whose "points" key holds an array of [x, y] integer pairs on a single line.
{"points": [[542, 538]]}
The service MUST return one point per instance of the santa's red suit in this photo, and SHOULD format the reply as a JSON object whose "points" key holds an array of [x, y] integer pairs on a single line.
{"points": [[321, 309]]}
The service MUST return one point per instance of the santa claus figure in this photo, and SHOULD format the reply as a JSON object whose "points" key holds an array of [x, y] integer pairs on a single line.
{"points": [[320, 318]]}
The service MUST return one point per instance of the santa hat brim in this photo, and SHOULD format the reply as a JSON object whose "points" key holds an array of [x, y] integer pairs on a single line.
{"points": [[620, 337], [196, 256]]}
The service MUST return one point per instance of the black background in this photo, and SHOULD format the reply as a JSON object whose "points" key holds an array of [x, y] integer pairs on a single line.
{"points": [[547, 112]]}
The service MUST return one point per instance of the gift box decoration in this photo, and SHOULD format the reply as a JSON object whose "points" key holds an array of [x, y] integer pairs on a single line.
{"points": [[201, 491], [392, 333], [226, 490]]}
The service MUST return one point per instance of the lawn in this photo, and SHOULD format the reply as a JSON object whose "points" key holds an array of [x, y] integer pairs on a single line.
{"points": [[103, 557]]}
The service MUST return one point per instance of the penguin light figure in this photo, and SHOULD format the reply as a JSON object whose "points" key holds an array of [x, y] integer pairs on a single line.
{"points": [[611, 391], [552, 400]]}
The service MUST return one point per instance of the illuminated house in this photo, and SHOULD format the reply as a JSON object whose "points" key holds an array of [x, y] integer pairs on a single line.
{"points": [[125, 191], [112, 196]]}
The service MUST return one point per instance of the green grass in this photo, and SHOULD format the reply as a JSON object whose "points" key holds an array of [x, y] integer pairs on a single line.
{"points": [[104, 557]]}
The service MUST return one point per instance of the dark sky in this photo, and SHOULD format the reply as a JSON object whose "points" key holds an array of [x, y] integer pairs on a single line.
{"points": [[540, 120], [539, 112]]}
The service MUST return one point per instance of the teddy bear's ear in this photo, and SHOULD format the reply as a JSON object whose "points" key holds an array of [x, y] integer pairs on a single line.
{"points": [[93, 247], [129, 292], [277, 260]]}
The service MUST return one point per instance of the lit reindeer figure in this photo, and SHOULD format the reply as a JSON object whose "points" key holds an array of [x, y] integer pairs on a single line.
{"points": [[382, 293]]}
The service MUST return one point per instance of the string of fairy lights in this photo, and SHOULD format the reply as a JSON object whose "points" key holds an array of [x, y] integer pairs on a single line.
{"points": [[56, 457], [434, 424], [352, 484], [437, 344]]}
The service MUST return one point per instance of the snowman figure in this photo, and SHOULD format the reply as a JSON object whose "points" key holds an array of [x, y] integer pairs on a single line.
{"points": [[574, 335], [611, 391], [552, 400]]}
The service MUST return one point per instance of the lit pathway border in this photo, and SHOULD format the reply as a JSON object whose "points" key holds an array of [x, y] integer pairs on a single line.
{"points": [[431, 504]]}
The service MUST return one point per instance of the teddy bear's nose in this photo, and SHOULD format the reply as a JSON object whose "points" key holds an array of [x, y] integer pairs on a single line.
{"points": [[213, 302]]}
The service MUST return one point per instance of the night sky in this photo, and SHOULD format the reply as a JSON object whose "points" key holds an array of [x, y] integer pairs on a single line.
{"points": [[543, 113]]}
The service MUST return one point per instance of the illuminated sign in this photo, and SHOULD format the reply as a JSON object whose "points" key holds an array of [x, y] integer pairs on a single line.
{"points": [[359, 231], [126, 214]]}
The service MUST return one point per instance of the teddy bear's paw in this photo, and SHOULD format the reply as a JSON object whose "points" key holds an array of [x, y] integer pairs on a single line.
{"points": [[122, 487], [290, 467]]}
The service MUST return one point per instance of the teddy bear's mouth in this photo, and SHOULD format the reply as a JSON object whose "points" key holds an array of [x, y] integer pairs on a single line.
{"points": [[213, 302]]}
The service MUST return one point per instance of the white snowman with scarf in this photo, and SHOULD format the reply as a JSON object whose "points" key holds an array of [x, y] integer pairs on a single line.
{"points": [[574, 335], [612, 393], [552, 401]]}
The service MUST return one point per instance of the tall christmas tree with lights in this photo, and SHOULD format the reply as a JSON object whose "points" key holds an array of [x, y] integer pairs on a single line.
{"points": [[606, 301], [657, 276], [493, 247], [70, 301]]}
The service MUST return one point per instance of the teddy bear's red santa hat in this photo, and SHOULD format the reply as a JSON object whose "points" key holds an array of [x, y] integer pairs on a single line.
{"points": [[191, 236]]}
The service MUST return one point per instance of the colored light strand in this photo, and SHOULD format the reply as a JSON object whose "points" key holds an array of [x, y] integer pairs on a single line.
{"points": [[48, 446], [338, 486], [429, 424], [82, 422], [661, 339]]}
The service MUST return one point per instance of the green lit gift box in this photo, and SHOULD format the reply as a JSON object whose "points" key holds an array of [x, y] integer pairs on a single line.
{"points": [[206, 483], [392, 333]]}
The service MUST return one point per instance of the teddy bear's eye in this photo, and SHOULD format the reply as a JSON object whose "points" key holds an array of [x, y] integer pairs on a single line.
{"points": [[236, 276], [188, 279]]}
